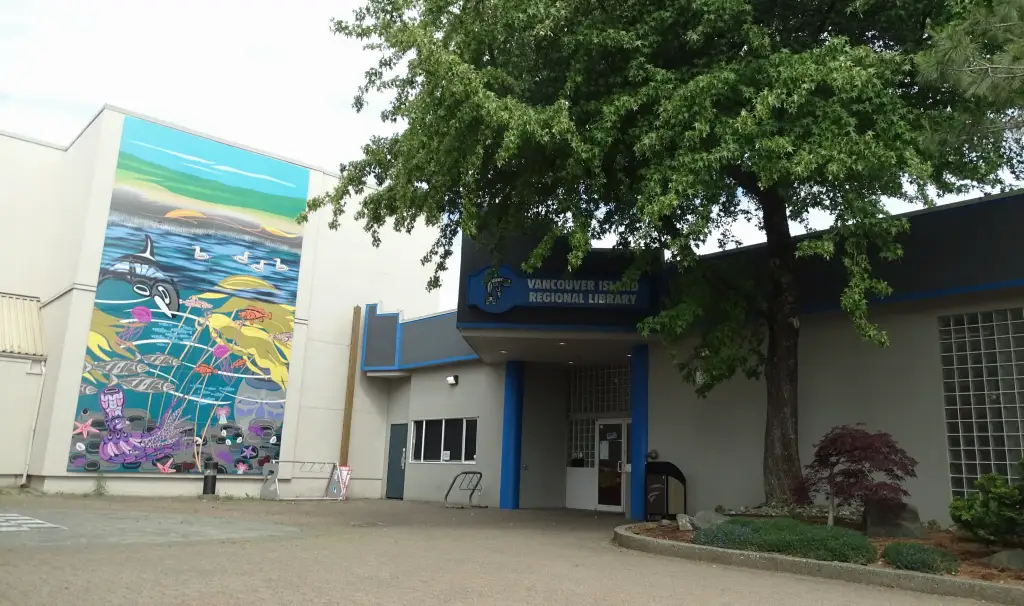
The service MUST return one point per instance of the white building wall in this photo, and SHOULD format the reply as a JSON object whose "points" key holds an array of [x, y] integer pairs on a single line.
{"points": [[59, 241], [718, 442], [342, 269], [480, 394], [30, 210], [20, 381]]}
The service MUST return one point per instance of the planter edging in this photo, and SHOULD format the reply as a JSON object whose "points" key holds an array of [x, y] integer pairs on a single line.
{"points": [[866, 575]]}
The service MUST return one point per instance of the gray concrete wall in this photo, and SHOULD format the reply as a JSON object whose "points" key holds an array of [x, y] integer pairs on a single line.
{"points": [[480, 394], [843, 380], [545, 404]]}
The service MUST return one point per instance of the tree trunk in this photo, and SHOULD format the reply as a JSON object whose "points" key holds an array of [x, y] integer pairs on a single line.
{"points": [[781, 451], [831, 498]]}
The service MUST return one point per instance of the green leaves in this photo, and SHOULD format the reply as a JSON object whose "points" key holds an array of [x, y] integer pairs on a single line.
{"points": [[664, 124], [980, 51]]}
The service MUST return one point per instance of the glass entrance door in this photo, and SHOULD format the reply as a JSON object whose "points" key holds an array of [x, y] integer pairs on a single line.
{"points": [[612, 461]]}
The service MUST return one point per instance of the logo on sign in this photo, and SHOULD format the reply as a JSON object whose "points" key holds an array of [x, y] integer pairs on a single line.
{"points": [[494, 286], [501, 290]]}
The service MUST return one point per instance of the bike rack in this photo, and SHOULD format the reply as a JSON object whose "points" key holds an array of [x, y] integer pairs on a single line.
{"points": [[471, 483], [336, 480]]}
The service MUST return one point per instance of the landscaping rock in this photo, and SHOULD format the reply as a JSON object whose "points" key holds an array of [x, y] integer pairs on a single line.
{"points": [[896, 520], [708, 519], [685, 522], [1011, 559]]}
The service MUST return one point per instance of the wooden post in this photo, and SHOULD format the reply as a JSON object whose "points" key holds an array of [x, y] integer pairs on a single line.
{"points": [[350, 385]]}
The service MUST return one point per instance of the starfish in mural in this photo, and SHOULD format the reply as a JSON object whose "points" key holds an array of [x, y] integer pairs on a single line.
{"points": [[83, 428], [248, 452], [166, 467]]}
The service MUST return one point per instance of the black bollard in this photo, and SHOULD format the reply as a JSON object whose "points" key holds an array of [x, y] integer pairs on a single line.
{"points": [[210, 478]]}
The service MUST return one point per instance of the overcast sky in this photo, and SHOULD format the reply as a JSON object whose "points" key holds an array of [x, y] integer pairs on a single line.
{"points": [[265, 73]]}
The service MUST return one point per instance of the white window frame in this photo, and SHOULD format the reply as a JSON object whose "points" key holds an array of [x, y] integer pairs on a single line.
{"points": [[423, 443]]}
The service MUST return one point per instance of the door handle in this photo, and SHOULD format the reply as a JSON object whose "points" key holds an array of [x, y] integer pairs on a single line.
{"points": [[403, 458], [620, 466]]}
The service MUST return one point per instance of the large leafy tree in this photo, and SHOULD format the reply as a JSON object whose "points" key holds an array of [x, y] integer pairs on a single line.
{"points": [[665, 123]]}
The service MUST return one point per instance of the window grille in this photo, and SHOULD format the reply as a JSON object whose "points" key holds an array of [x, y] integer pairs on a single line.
{"points": [[599, 389], [594, 392], [983, 394]]}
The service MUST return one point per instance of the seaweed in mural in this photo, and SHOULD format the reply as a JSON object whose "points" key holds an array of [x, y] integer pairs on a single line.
{"points": [[190, 341]]}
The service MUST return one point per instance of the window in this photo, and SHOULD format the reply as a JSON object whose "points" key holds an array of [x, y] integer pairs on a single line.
{"points": [[599, 389], [444, 441], [983, 394]]}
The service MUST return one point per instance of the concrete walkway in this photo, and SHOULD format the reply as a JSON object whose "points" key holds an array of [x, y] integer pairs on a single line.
{"points": [[185, 551]]}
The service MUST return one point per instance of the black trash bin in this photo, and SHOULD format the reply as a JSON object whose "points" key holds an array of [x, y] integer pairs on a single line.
{"points": [[656, 492], [659, 505]]}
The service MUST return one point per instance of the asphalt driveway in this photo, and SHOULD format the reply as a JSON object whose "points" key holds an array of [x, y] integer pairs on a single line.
{"points": [[110, 550]]}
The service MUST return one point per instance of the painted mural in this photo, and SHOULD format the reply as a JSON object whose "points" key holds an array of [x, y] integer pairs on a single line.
{"points": [[187, 360]]}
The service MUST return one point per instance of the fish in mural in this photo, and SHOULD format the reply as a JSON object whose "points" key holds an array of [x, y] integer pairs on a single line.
{"points": [[147, 384], [205, 370], [282, 337], [158, 360], [86, 390], [117, 367], [196, 302], [253, 314], [146, 276], [123, 446]]}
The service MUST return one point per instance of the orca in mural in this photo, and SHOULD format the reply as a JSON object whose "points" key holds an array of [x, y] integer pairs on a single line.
{"points": [[143, 272]]}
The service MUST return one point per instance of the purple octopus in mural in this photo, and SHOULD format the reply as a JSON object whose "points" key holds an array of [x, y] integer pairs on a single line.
{"points": [[122, 446]]}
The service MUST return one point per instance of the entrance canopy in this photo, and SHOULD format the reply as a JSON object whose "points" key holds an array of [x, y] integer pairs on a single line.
{"points": [[501, 345]]}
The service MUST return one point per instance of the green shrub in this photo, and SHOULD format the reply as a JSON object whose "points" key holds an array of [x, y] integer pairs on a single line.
{"points": [[790, 537], [994, 514], [920, 558]]}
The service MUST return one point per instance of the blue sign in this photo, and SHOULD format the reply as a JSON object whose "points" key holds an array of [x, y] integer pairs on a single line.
{"points": [[498, 292]]}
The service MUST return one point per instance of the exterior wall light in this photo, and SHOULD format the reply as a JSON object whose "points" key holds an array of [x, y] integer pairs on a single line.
{"points": [[453, 380]]}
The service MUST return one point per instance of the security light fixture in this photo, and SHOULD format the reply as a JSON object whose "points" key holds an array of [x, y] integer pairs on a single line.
{"points": [[453, 380], [502, 351], [561, 342]]}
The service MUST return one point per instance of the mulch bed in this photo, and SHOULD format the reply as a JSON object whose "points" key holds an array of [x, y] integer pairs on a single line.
{"points": [[967, 551]]}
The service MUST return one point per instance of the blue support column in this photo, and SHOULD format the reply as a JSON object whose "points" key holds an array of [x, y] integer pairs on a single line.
{"points": [[512, 436], [639, 369]]}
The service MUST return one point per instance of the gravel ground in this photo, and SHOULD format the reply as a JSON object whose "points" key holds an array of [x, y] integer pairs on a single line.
{"points": [[185, 551]]}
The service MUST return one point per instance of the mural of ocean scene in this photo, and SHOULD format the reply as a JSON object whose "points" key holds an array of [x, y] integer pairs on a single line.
{"points": [[190, 340]]}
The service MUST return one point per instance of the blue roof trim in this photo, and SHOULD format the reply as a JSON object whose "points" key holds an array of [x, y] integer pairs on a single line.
{"points": [[398, 365]]}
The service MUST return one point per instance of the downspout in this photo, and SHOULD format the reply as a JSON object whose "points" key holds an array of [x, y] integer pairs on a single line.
{"points": [[35, 423]]}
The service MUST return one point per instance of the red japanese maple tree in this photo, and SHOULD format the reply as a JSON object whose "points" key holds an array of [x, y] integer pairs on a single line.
{"points": [[852, 464]]}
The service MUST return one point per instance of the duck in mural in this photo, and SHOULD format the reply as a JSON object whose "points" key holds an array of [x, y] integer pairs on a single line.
{"points": [[279, 266], [123, 446], [199, 254], [146, 276], [258, 266], [242, 258]]}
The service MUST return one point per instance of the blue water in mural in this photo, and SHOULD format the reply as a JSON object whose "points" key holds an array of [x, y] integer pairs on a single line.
{"points": [[174, 249], [194, 379]]}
